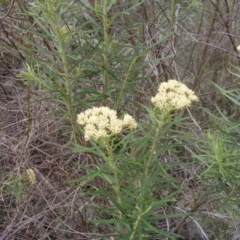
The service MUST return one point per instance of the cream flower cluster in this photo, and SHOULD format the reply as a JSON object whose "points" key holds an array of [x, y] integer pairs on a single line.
{"points": [[173, 95], [101, 122]]}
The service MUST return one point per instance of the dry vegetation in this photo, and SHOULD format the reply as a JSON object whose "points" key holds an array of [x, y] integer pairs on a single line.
{"points": [[34, 134]]}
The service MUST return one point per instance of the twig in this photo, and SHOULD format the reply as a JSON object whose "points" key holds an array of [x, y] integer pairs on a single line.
{"points": [[10, 9], [5, 92]]}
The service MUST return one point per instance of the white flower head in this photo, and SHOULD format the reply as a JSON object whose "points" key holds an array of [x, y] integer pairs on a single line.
{"points": [[101, 122], [173, 95]]}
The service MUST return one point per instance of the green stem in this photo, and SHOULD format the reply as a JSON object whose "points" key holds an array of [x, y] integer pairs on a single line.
{"points": [[105, 21], [112, 166], [146, 171], [138, 221], [163, 119], [67, 95], [153, 148], [125, 82], [173, 10], [136, 226]]}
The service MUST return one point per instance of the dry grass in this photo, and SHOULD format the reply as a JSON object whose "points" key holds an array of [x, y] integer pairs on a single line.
{"points": [[50, 207], [30, 138]]}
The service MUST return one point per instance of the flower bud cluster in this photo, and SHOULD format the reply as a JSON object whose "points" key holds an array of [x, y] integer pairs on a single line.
{"points": [[31, 177], [101, 122], [173, 95]]}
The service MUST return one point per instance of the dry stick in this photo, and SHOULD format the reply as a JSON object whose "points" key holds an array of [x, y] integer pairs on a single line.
{"points": [[195, 122], [19, 226], [195, 44], [175, 28], [227, 25], [166, 69], [11, 73], [8, 70], [183, 221], [203, 58], [29, 125], [173, 22], [203, 233], [5, 92], [23, 58], [8, 12], [12, 43]]}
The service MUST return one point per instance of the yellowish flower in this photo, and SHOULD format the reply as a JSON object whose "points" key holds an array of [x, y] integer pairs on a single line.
{"points": [[64, 30], [31, 176], [173, 95], [100, 122], [129, 122]]}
